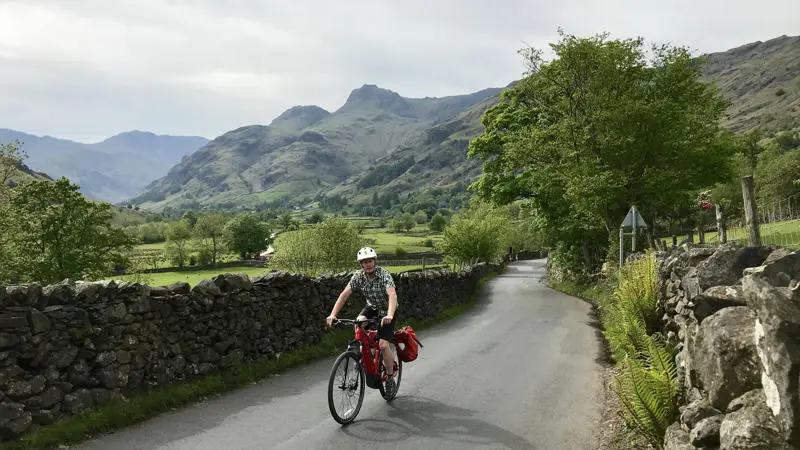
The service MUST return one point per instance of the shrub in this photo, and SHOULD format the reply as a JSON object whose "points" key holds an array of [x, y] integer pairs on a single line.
{"points": [[328, 246], [647, 384]]}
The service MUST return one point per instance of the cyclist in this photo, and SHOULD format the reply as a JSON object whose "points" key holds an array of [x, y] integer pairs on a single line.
{"points": [[378, 288]]}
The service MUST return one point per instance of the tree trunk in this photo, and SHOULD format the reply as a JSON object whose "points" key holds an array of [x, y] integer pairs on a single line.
{"points": [[750, 212], [722, 232]]}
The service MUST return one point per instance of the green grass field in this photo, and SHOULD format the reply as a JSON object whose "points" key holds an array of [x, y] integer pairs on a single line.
{"points": [[412, 242], [785, 234]]}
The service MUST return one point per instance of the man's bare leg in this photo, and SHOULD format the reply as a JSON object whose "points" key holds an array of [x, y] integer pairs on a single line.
{"points": [[388, 357]]}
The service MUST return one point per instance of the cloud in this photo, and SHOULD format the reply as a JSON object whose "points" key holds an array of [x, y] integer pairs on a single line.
{"points": [[89, 69]]}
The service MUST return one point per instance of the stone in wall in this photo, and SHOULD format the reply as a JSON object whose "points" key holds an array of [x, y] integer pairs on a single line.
{"points": [[773, 292]]}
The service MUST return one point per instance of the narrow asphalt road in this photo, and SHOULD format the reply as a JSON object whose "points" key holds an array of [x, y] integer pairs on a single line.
{"points": [[518, 371]]}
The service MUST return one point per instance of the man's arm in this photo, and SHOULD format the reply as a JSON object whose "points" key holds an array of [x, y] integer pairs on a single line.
{"points": [[392, 301], [343, 296]]}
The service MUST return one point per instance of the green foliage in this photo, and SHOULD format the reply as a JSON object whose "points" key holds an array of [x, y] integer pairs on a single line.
{"points": [[647, 389], [385, 173], [56, 233], [438, 222], [647, 384], [631, 314], [475, 235], [328, 246], [403, 222], [596, 130], [209, 231], [179, 236], [246, 233]]}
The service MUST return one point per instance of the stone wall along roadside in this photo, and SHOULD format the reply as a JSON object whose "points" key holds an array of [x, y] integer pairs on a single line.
{"points": [[733, 315], [72, 346]]}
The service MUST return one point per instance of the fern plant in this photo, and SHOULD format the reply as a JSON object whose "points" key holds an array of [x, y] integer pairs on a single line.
{"points": [[647, 388], [647, 385]]}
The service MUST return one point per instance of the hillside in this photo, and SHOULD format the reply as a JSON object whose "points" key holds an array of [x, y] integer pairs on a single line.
{"points": [[112, 170], [762, 79], [303, 152], [380, 145]]}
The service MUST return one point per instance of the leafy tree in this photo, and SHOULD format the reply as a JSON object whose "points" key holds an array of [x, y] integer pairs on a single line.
{"points": [[587, 135], [407, 221], [750, 147], [438, 222], [246, 233], [11, 157], [179, 236], [476, 235], [60, 234], [315, 218], [421, 216], [329, 246], [337, 241], [209, 231]]}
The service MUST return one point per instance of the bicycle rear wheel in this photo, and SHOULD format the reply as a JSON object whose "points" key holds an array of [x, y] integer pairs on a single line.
{"points": [[347, 383], [389, 389]]}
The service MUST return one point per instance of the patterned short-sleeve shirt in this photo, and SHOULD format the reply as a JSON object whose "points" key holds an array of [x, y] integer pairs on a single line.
{"points": [[373, 289]]}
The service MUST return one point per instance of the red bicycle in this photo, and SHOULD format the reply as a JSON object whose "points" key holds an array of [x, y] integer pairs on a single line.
{"points": [[361, 363]]}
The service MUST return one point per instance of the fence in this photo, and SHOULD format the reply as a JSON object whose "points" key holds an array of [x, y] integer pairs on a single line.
{"points": [[779, 224]]}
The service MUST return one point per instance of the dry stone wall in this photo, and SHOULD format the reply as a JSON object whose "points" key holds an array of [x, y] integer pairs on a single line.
{"points": [[733, 315], [71, 346]]}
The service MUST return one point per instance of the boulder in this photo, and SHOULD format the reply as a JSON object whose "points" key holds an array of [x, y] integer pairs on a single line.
{"points": [[773, 292], [750, 425], [715, 298], [726, 266], [725, 356], [677, 438], [706, 432], [696, 411]]}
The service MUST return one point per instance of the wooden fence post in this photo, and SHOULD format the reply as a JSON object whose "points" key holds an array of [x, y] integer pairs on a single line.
{"points": [[721, 231], [750, 213]]}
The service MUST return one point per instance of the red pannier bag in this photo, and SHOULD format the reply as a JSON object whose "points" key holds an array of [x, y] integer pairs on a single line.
{"points": [[407, 344]]}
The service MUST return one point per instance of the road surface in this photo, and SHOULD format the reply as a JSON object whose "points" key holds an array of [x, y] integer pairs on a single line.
{"points": [[518, 371]]}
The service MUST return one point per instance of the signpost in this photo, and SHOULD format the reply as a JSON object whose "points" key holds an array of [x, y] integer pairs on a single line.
{"points": [[634, 221]]}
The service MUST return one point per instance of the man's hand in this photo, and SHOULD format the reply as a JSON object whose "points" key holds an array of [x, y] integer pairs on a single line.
{"points": [[330, 319], [386, 320]]}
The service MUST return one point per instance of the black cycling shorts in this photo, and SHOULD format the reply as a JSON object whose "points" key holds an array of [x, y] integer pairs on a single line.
{"points": [[384, 332]]}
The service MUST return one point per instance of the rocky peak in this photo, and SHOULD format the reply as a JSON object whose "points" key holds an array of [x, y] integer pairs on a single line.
{"points": [[299, 117], [372, 96]]}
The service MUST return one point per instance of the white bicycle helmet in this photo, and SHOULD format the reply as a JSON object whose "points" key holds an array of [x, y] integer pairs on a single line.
{"points": [[366, 253]]}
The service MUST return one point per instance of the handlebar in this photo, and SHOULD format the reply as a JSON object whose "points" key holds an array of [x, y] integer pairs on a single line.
{"points": [[376, 321]]}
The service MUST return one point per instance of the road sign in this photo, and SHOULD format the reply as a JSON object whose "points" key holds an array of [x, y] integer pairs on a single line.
{"points": [[633, 219]]}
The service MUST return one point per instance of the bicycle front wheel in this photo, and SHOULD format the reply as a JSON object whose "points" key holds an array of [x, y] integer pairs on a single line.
{"points": [[346, 387]]}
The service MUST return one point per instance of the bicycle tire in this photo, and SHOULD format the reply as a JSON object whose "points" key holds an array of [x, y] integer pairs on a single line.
{"points": [[356, 359], [389, 396]]}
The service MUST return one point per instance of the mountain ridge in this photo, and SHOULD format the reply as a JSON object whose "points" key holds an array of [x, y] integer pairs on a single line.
{"points": [[113, 169], [304, 149]]}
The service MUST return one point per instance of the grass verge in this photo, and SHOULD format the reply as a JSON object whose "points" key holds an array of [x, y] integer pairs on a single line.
{"points": [[121, 412]]}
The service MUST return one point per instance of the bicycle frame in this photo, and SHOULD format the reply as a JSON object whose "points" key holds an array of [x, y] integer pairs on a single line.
{"points": [[369, 341]]}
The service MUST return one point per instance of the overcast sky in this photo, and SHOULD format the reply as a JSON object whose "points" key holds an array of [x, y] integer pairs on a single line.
{"points": [[89, 69]]}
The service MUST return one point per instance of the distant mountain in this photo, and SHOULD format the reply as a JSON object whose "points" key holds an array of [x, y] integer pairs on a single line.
{"points": [[304, 151], [762, 79], [112, 170], [380, 144]]}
